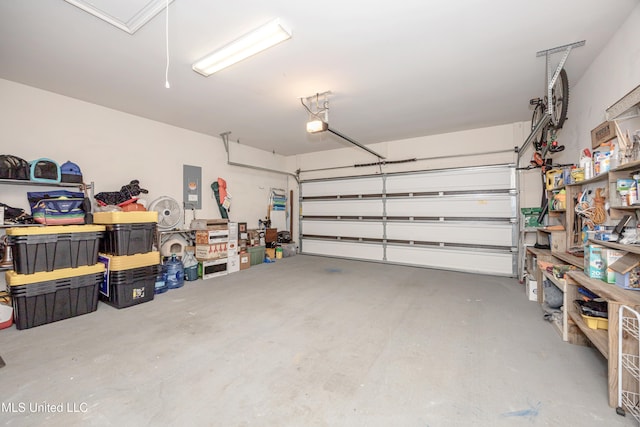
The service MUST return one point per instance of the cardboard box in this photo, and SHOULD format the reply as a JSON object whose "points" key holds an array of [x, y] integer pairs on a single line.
{"points": [[232, 248], [209, 224], [233, 264], [611, 256], [531, 289], [594, 264], [215, 251], [212, 268], [604, 132], [233, 231], [245, 261], [209, 237], [271, 235]]}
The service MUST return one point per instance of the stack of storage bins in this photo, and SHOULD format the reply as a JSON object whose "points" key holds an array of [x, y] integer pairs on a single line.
{"points": [[56, 274], [126, 251]]}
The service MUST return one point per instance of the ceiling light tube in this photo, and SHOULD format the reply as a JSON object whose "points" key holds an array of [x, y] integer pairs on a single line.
{"points": [[317, 125], [251, 43]]}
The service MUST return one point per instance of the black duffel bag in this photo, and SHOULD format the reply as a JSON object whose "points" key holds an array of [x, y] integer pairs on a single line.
{"points": [[13, 167]]}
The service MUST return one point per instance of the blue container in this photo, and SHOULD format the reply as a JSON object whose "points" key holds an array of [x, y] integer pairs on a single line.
{"points": [[161, 285], [175, 272], [191, 273]]}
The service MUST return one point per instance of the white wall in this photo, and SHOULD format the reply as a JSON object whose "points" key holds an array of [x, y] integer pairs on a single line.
{"points": [[614, 73], [112, 148]]}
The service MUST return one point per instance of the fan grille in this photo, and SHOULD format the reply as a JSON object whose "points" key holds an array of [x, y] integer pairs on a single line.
{"points": [[169, 212]]}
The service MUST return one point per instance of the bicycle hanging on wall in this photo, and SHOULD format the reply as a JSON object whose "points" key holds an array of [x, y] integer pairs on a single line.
{"points": [[549, 115]]}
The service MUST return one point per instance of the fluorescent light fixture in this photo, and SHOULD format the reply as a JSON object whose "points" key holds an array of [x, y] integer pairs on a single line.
{"points": [[317, 125], [251, 43]]}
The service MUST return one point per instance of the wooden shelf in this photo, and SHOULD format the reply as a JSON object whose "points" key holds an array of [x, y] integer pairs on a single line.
{"points": [[628, 166], [598, 337], [571, 259], [607, 291], [600, 177], [561, 284], [626, 208], [627, 248], [538, 251]]}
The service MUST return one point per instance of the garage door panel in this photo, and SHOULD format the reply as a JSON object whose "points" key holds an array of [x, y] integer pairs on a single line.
{"points": [[342, 187], [461, 219], [460, 259], [480, 179], [346, 207], [363, 229], [365, 251], [468, 206], [488, 234]]}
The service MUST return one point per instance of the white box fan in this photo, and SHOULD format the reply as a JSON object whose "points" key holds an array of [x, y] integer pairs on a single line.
{"points": [[169, 212]]}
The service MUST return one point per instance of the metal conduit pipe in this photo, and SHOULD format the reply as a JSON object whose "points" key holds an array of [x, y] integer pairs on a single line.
{"points": [[225, 140]]}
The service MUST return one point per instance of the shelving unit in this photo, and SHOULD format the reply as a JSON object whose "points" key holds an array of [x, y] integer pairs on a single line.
{"points": [[20, 182], [562, 326], [606, 341], [162, 236], [620, 343]]}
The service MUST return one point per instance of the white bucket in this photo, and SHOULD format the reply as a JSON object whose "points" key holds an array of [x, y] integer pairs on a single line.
{"points": [[6, 316]]}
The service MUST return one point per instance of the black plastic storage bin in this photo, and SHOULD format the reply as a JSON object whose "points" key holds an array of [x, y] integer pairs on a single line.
{"points": [[127, 233], [131, 287], [47, 297], [128, 239], [131, 279], [50, 248]]}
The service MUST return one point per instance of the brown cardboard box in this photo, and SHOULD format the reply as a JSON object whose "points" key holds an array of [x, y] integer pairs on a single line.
{"points": [[215, 251], [270, 252], [271, 235], [245, 261], [603, 133], [209, 237]]}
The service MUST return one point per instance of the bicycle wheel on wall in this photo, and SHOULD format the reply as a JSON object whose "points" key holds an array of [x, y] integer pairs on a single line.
{"points": [[560, 94], [538, 113]]}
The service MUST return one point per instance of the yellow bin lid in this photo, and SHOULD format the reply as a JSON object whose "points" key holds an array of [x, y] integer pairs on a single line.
{"points": [[54, 229], [15, 279], [125, 217], [127, 262]]}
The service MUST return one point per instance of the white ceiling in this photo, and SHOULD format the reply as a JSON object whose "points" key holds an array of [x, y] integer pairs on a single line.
{"points": [[396, 69]]}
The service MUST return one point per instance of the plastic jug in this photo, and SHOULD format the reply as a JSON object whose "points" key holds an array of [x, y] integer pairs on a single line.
{"points": [[175, 272], [161, 285]]}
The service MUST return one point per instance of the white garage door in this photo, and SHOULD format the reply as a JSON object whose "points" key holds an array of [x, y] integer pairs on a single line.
{"points": [[460, 219]]}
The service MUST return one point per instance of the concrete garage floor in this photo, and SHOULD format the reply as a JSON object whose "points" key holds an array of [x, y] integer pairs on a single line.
{"points": [[309, 341]]}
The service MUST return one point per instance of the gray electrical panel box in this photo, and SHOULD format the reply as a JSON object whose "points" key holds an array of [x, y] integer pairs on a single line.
{"points": [[192, 187]]}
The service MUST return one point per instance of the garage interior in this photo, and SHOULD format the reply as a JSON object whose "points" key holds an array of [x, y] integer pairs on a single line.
{"points": [[405, 302]]}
